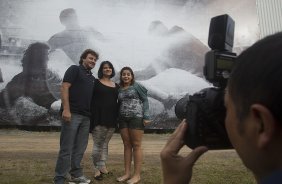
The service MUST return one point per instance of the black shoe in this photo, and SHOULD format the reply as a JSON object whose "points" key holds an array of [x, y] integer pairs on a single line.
{"points": [[99, 177], [106, 174]]}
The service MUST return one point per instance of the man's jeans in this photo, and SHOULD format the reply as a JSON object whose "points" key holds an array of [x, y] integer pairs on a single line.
{"points": [[73, 143]]}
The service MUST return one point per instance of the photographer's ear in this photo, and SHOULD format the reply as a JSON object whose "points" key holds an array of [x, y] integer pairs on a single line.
{"points": [[265, 125]]}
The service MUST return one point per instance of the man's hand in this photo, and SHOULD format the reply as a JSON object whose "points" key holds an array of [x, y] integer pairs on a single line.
{"points": [[66, 115], [176, 168]]}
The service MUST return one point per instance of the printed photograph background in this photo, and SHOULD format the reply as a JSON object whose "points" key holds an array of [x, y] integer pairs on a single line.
{"points": [[163, 41]]}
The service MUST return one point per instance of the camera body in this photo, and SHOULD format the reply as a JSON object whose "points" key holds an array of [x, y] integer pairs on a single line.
{"points": [[204, 110], [218, 66], [205, 115]]}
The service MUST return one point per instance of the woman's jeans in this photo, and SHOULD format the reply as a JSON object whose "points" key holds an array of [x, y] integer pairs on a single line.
{"points": [[73, 143], [101, 138]]}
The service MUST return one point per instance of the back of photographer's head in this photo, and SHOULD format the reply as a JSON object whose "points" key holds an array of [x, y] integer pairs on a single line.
{"points": [[254, 118], [256, 77]]}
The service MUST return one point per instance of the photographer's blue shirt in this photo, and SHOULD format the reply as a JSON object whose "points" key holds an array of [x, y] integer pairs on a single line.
{"points": [[274, 178]]}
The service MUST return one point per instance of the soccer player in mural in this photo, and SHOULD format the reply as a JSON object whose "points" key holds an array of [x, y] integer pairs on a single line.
{"points": [[76, 94], [74, 39], [253, 118], [183, 51], [36, 82]]}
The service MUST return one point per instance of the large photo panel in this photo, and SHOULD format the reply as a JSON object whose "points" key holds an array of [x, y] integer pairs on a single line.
{"points": [[163, 41]]}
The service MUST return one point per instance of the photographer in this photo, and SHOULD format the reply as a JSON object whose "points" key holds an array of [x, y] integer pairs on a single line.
{"points": [[253, 117]]}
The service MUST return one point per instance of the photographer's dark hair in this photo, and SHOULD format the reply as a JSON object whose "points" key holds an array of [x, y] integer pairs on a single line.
{"points": [[86, 52], [256, 77], [131, 71], [100, 71]]}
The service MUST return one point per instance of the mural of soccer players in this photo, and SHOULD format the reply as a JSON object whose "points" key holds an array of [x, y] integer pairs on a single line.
{"points": [[164, 41]]}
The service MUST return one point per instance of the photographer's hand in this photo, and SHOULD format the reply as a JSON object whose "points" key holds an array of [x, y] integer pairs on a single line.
{"points": [[176, 168]]}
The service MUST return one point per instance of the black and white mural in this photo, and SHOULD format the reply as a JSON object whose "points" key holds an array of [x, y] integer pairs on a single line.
{"points": [[163, 41]]}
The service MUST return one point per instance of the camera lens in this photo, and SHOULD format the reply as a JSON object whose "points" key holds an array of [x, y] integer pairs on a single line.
{"points": [[181, 107]]}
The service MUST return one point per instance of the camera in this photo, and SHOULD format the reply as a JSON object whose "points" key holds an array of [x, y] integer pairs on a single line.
{"points": [[204, 111]]}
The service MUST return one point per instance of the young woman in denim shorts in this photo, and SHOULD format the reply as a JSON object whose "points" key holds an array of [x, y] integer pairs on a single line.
{"points": [[133, 117]]}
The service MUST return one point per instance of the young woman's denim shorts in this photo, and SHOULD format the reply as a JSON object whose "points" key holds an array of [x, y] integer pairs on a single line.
{"points": [[132, 123]]}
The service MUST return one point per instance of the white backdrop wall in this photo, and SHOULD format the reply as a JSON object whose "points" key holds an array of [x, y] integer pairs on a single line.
{"points": [[269, 16], [164, 41]]}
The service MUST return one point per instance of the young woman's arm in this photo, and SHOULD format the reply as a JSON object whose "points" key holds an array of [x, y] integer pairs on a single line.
{"points": [[142, 91]]}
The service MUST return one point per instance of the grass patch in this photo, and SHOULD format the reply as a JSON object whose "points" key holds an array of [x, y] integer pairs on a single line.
{"points": [[30, 158]]}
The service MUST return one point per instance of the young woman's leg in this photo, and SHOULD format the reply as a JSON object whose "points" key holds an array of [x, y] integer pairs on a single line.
{"points": [[136, 140], [124, 132]]}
